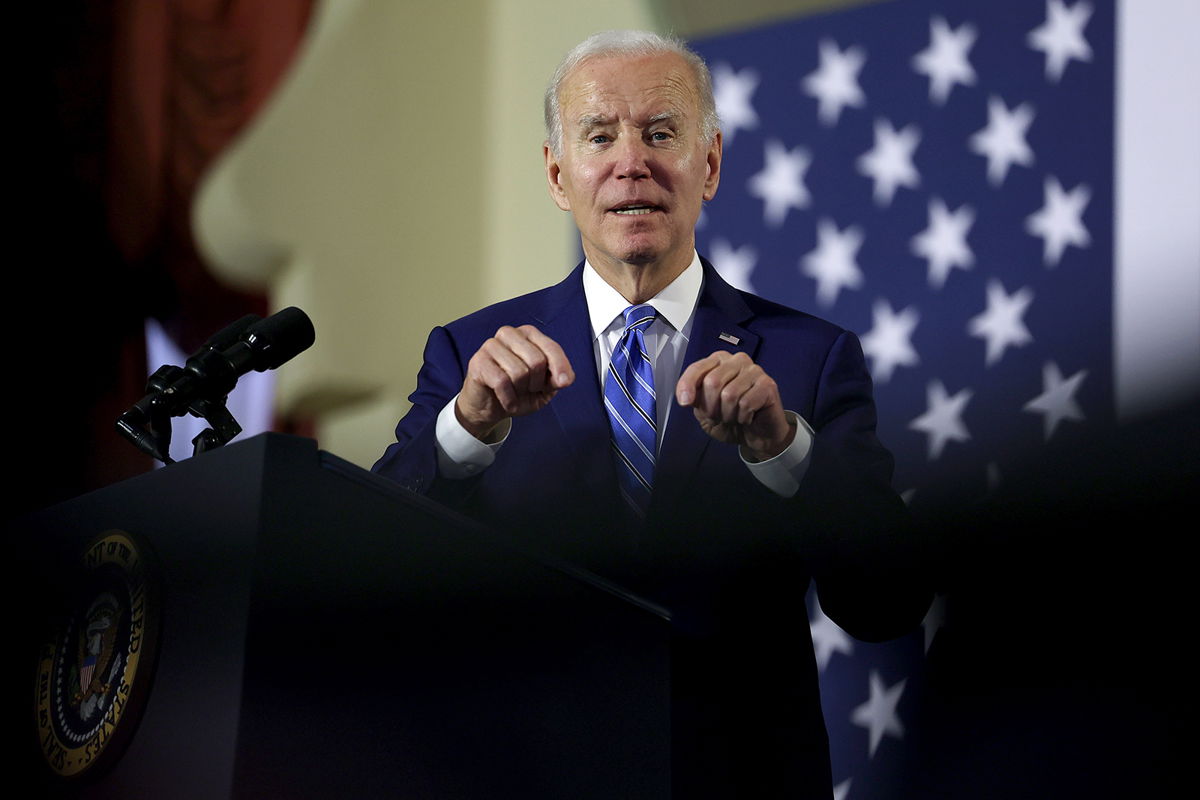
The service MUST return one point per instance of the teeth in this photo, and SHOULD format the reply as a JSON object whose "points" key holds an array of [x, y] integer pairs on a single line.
{"points": [[635, 210]]}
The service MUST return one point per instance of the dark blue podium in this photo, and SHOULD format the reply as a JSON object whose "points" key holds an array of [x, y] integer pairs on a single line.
{"points": [[324, 633]]}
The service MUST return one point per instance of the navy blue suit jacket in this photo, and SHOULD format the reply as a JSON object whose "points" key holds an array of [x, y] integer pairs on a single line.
{"points": [[731, 559]]}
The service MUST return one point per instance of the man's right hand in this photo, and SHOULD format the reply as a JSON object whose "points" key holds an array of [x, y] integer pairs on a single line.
{"points": [[516, 372]]}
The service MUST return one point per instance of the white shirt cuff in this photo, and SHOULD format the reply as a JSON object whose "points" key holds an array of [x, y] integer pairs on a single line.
{"points": [[459, 454], [783, 473]]}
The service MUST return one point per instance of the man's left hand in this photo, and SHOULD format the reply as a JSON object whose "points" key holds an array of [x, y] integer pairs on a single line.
{"points": [[735, 401]]}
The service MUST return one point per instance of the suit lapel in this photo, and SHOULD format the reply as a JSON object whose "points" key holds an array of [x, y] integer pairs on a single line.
{"points": [[578, 409], [717, 325]]}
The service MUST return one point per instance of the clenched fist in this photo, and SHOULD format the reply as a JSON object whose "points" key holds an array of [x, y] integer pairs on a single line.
{"points": [[735, 401], [516, 372]]}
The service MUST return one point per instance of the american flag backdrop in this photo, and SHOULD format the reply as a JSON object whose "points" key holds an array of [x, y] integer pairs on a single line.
{"points": [[937, 177]]}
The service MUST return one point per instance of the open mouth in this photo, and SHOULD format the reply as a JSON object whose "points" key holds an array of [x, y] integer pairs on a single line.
{"points": [[635, 210]]}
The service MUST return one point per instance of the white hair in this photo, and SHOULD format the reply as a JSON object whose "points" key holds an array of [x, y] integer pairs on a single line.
{"points": [[632, 43]]}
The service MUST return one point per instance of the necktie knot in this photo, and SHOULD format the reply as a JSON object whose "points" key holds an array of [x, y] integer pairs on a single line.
{"points": [[639, 317]]}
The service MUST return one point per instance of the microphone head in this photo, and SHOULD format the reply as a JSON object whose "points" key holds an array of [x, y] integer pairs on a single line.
{"points": [[279, 338]]}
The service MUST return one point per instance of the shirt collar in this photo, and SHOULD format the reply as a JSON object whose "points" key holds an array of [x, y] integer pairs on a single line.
{"points": [[675, 302]]}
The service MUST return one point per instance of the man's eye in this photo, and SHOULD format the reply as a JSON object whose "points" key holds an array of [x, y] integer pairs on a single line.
{"points": [[598, 138], [660, 136]]}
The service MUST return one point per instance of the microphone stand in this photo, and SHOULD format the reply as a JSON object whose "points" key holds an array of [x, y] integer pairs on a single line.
{"points": [[224, 426], [148, 423]]}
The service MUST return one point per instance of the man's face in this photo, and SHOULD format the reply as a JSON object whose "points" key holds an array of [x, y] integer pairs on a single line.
{"points": [[634, 167]]}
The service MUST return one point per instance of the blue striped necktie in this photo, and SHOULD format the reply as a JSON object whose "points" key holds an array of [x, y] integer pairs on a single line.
{"points": [[629, 399]]}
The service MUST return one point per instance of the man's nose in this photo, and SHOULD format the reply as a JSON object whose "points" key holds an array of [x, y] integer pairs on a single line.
{"points": [[633, 158]]}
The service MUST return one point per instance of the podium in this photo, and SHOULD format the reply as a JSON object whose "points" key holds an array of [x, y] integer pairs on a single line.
{"points": [[322, 633]]}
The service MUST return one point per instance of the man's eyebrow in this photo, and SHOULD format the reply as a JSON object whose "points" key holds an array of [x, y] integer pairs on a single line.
{"points": [[663, 116], [594, 120]]}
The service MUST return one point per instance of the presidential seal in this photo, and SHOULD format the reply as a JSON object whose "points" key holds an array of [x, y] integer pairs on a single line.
{"points": [[95, 668]]}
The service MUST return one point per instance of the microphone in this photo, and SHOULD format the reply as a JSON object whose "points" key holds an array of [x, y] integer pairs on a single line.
{"points": [[251, 343], [279, 338], [201, 386]]}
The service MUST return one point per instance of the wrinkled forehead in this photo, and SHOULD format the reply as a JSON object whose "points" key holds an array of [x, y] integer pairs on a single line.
{"points": [[637, 88]]}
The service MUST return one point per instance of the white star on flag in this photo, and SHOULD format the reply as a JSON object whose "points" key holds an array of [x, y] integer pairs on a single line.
{"points": [[942, 420], [835, 82], [1060, 220], [734, 266], [1001, 324], [842, 790], [1060, 37], [889, 163], [732, 91], [832, 264], [945, 60], [1057, 400], [889, 342], [780, 184], [1002, 141], [828, 639], [878, 714], [944, 241]]}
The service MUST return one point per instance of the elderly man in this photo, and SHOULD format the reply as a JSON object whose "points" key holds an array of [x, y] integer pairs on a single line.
{"points": [[709, 448]]}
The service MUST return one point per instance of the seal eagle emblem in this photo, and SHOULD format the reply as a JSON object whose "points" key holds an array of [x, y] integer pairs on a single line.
{"points": [[95, 666]]}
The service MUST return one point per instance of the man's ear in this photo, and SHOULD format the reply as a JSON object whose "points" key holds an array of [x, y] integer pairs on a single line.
{"points": [[554, 179], [714, 167]]}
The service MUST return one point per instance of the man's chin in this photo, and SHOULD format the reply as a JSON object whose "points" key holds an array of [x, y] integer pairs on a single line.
{"points": [[641, 258], [644, 253]]}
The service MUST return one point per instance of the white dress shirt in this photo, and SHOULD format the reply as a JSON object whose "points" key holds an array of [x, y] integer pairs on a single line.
{"points": [[461, 455]]}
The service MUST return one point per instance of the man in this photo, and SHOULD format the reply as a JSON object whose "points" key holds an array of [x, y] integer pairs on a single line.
{"points": [[709, 448]]}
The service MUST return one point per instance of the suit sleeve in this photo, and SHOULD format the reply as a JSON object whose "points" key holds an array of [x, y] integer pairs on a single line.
{"points": [[868, 567], [412, 460]]}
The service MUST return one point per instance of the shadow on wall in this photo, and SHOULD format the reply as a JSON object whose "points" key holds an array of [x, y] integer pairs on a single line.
{"points": [[1061, 669]]}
